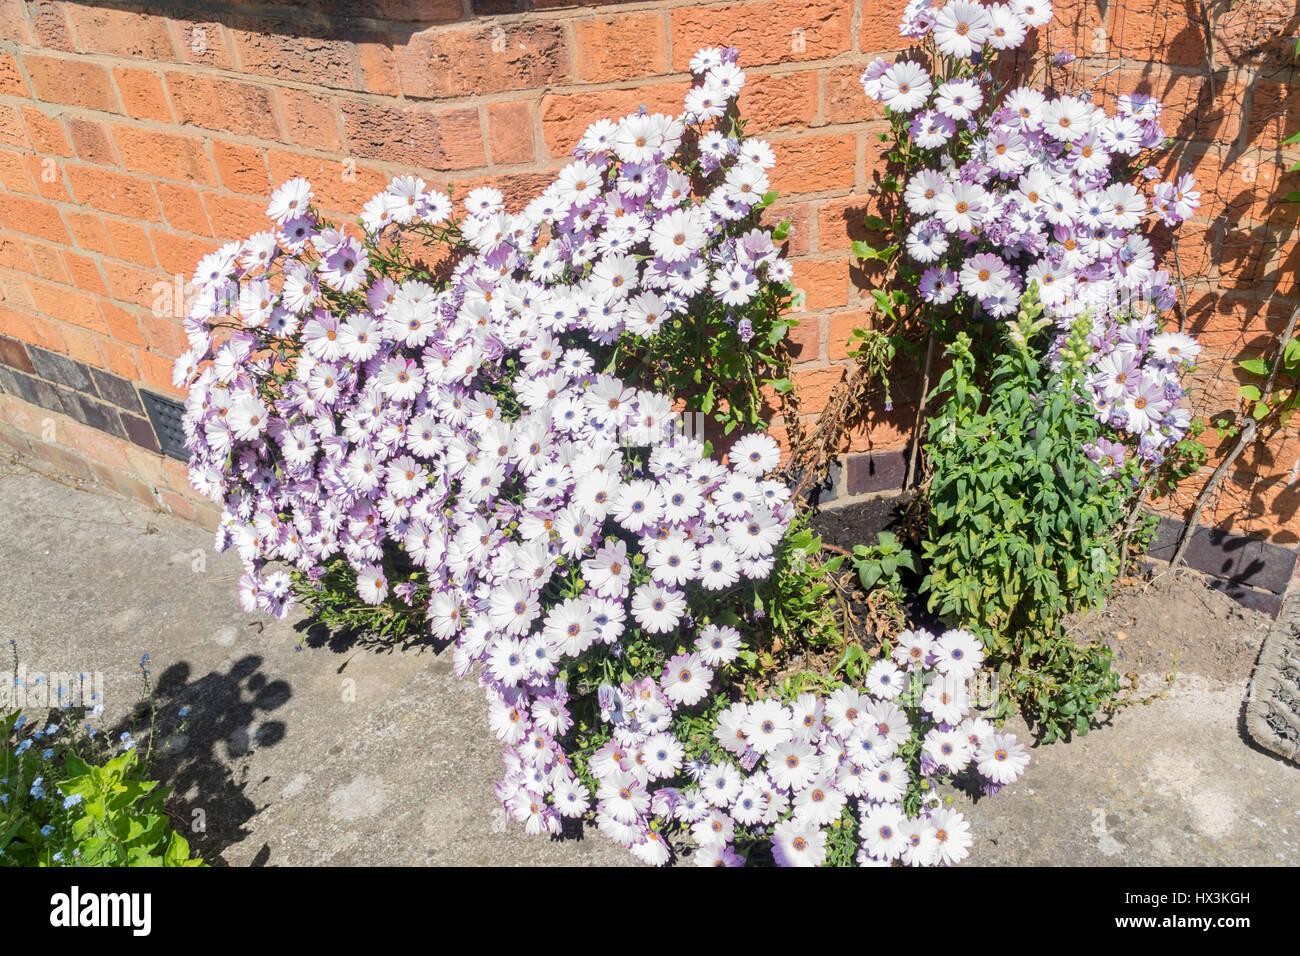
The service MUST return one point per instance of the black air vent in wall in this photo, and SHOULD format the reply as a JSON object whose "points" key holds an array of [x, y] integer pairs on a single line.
{"points": [[166, 416]]}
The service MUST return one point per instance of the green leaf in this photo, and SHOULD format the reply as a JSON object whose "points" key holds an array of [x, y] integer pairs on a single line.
{"points": [[863, 250]]}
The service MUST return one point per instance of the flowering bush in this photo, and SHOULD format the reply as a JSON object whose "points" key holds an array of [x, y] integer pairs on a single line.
{"points": [[460, 445], [1017, 208], [1007, 189]]}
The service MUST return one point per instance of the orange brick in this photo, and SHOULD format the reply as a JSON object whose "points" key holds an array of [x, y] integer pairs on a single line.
{"points": [[804, 341], [179, 255], [202, 41], [119, 359], [88, 231], [49, 264], [799, 239], [621, 47], [1188, 111], [433, 139], [125, 33], [14, 177], [90, 141], [82, 346], [34, 329], [841, 340], [156, 372], [84, 272], [825, 281], [814, 163], [841, 222], [242, 168], [457, 62], [11, 79], [282, 49], [142, 95], [813, 386], [879, 32], [339, 186], [134, 285], [47, 174], [123, 324], [13, 129], [13, 254], [15, 293], [510, 133], [34, 218], [768, 31], [164, 334], [46, 132], [844, 100], [183, 208], [177, 505], [233, 217], [378, 65], [310, 120], [14, 25], [120, 194], [1164, 31], [769, 101], [228, 105], [164, 155], [883, 431], [61, 303], [130, 242], [71, 81]]}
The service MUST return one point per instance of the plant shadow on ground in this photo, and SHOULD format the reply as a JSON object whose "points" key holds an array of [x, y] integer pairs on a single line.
{"points": [[199, 755], [315, 634]]}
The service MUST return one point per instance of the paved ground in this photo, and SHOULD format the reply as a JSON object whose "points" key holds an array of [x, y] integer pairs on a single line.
{"points": [[349, 755]]}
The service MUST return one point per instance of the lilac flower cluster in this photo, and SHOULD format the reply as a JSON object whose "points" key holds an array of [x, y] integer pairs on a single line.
{"points": [[789, 771], [1022, 188], [345, 407]]}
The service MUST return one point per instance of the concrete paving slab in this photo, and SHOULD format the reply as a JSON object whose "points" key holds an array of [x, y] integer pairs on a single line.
{"points": [[321, 755]]}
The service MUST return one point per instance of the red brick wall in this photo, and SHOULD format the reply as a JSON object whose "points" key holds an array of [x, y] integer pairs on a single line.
{"points": [[135, 138]]}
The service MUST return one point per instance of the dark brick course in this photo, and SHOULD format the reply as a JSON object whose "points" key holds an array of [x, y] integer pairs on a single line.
{"points": [[139, 431], [61, 370], [117, 390]]}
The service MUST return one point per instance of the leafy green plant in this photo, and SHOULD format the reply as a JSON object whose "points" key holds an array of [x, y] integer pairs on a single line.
{"points": [[1021, 526], [71, 797], [881, 564], [59, 807]]}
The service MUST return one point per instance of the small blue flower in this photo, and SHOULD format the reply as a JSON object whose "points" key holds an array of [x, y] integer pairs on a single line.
{"points": [[47, 830], [71, 801], [58, 857], [184, 712], [47, 753]]}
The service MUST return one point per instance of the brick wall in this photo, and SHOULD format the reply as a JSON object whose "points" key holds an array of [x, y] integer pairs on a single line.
{"points": [[134, 138]]}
